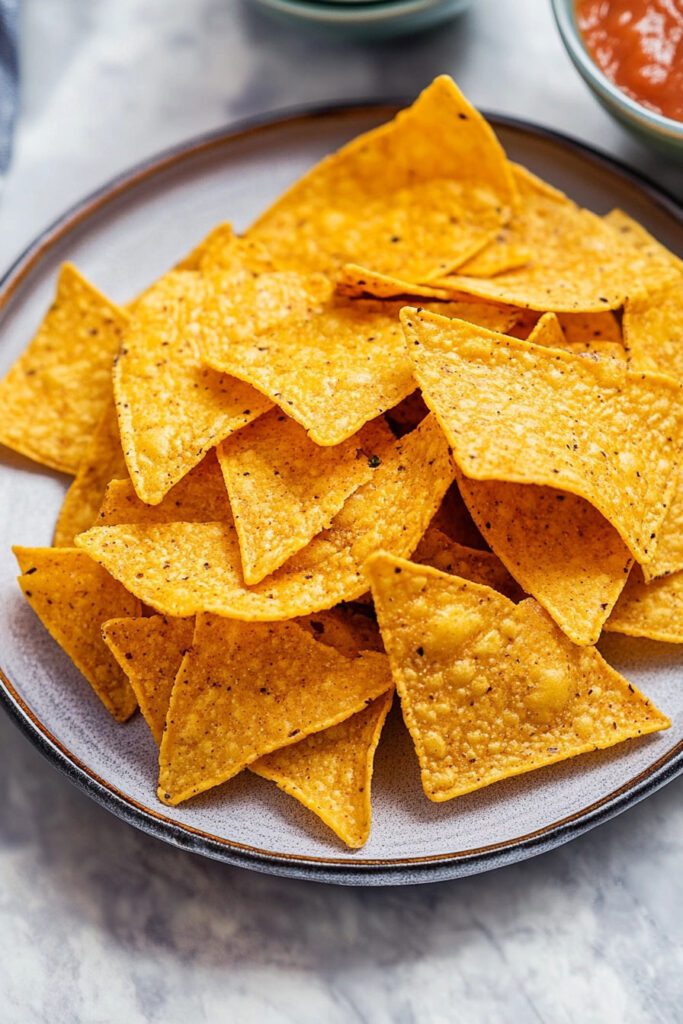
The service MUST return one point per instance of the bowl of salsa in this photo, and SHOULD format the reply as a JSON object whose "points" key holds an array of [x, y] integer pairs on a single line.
{"points": [[630, 53]]}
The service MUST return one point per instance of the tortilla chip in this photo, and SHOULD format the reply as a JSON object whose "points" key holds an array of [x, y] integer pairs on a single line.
{"points": [[200, 497], [636, 237], [330, 772], [446, 555], [72, 597], [184, 568], [284, 489], [653, 610], [242, 691], [490, 689], [405, 416], [557, 546], [574, 264], [526, 414], [149, 651], [102, 463], [347, 630], [548, 331], [171, 408], [224, 252], [498, 258], [582, 327], [56, 392], [416, 196], [339, 366], [453, 518], [358, 282]]}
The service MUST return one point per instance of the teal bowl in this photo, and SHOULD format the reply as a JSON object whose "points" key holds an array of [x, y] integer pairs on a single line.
{"points": [[663, 133], [363, 19]]}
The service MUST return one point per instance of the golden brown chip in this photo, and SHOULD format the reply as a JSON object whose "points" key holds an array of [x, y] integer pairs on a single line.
{"points": [[330, 772], [453, 518], [103, 462], [416, 196], [184, 568], [149, 651], [284, 489], [339, 366], [574, 265], [497, 258], [557, 546], [439, 551], [200, 497], [56, 392], [526, 414], [490, 689], [653, 610], [358, 282], [245, 689], [635, 236], [582, 327], [72, 596]]}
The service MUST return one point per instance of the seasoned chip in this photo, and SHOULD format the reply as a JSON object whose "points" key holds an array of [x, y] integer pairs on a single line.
{"points": [[358, 282], [574, 264], [582, 327], [225, 253], [337, 367], [72, 596], [653, 610], [245, 689], [490, 689], [171, 408], [557, 546], [636, 237], [54, 395], [526, 414], [439, 551], [200, 497], [330, 772], [548, 331], [453, 518], [149, 650], [497, 258], [416, 196], [405, 416], [184, 568], [284, 489], [103, 462], [344, 628]]}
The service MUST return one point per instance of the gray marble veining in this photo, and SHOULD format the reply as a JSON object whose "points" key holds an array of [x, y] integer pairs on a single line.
{"points": [[99, 923]]}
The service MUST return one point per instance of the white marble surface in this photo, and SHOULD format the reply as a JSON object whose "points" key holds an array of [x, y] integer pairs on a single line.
{"points": [[98, 923]]}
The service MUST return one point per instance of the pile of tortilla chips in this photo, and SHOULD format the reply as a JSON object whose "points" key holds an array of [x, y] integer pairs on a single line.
{"points": [[419, 428]]}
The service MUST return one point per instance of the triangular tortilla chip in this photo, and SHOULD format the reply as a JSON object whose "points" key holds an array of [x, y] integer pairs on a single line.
{"points": [[337, 367], [446, 555], [171, 408], [200, 497], [557, 546], [548, 331], [358, 282], [636, 237], [582, 327], [574, 265], [54, 395], [330, 772], [453, 518], [103, 462], [149, 651], [242, 691], [527, 414], [72, 596], [416, 196], [490, 689], [653, 610], [284, 489], [184, 568]]}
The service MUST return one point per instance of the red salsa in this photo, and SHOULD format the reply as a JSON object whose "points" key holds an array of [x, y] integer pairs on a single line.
{"points": [[638, 44]]}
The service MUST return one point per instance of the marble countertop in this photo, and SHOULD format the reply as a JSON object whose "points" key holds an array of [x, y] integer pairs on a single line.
{"points": [[99, 923]]}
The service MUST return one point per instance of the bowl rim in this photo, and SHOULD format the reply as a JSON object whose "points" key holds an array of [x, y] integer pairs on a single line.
{"points": [[363, 12], [565, 19]]}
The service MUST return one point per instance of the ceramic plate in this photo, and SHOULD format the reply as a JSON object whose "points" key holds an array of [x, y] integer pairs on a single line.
{"points": [[124, 237]]}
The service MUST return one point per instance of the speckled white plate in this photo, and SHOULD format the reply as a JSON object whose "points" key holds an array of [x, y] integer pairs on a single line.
{"points": [[122, 238]]}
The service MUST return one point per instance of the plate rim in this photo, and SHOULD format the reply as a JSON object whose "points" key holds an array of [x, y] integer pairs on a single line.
{"points": [[383, 871]]}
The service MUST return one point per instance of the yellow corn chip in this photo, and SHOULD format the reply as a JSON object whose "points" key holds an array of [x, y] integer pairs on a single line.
{"points": [[446, 555], [453, 518], [72, 597], [242, 691], [557, 546], [490, 689], [498, 258], [635, 236], [338, 367], [347, 630], [284, 489], [54, 395], [574, 264], [149, 651], [584, 327], [330, 772], [171, 408], [224, 252], [103, 462], [653, 610], [416, 196], [405, 416], [200, 497], [358, 282], [184, 568], [548, 331], [527, 414]]}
